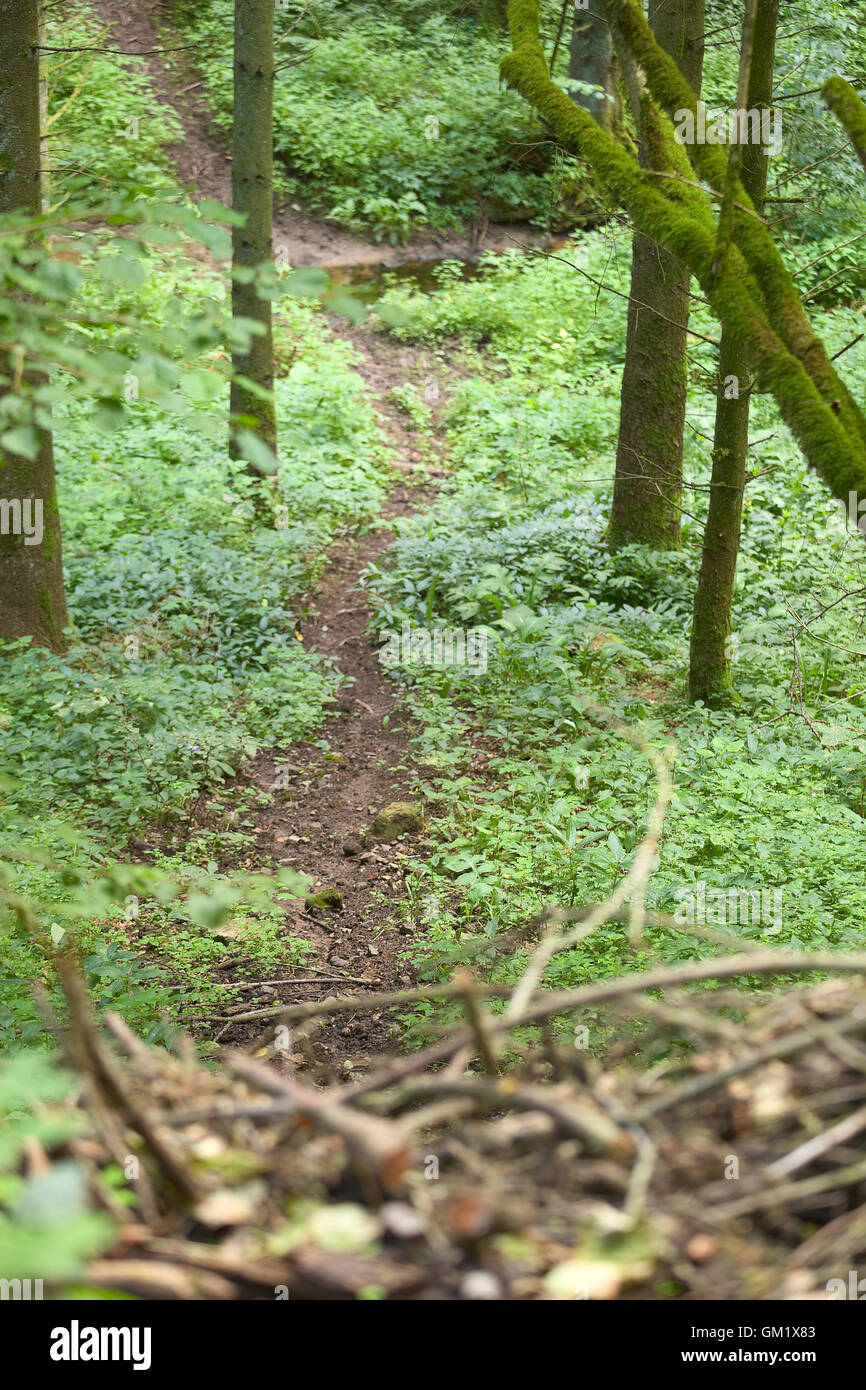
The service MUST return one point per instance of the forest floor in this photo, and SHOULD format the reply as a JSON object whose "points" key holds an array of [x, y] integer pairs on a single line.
{"points": [[203, 163], [644, 1129], [328, 797], [324, 798]]}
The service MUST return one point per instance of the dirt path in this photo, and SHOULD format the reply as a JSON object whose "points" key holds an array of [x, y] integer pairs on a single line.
{"points": [[204, 163], [323, 800]]}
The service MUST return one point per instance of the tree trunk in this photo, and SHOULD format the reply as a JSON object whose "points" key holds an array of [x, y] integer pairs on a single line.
{"points": [[751, 290], [592, 60], [32, 597], [711, 654], [647, 487], [252, 194]]}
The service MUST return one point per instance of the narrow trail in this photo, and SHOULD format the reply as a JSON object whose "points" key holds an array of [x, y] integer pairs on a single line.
{"points": [[203, 160], [327, 798], [321, 799]]}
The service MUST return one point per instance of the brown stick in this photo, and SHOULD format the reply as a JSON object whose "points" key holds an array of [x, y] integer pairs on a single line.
{"points": [[466, 986], [92, 1058], [567, 1000], [580, 1119], [379, 1146]]}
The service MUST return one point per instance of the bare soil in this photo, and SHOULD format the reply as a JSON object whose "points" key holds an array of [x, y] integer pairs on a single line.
{"points": [[332, 796]]}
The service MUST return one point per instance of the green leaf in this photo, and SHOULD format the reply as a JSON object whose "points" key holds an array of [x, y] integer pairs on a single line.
{"points": [[202, 387], [392, 314], [256, 452], [24, 441], [32, 1076], [339, 302], [58, 1252], [218, 212], [53, 1196], [122, 270], [217, 240], [109, 415], [308, 282]]}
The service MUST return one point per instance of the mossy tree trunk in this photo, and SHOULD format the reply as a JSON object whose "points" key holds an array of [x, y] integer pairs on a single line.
{"points": [[711, 653], [32, 597], [647, 488], [751, 291], [252, 195]]}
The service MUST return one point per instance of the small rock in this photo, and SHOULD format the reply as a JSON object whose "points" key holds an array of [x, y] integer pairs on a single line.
{"points": [[339, 961], [326, 900], [401, 1220], [226, 1208], [400, 818], [229, 932], [701, 1247], [351, 846], [480, 1284]]}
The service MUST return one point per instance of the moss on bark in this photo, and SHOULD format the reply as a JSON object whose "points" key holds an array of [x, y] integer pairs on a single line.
{"points": [[252, 194], [849, 110], [777, 293], [710, 676], [648, 482], [647, 491], [811, 399]]}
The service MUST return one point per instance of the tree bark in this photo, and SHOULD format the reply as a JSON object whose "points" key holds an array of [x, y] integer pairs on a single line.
{"points": [[768, 286], [32, 596], [711, 654], [752, 291], [647, 489], [592, 60], [252, 194]]}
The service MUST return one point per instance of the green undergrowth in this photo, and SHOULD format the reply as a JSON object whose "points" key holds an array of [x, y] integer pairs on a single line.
{"points": [[184, 595], [184, 657], [107, 131], [388, 119], [535, 805]]}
